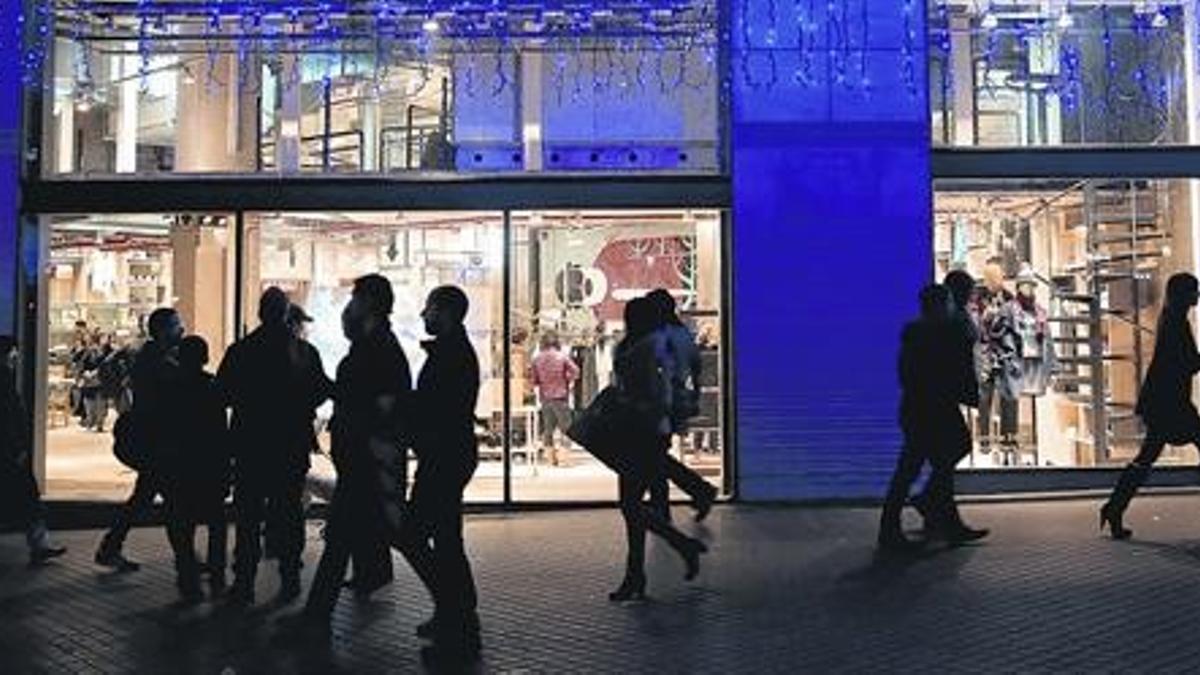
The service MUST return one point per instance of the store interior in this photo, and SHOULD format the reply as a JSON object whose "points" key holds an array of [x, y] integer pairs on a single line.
{"points": [[1070, 278], [569, 272]]}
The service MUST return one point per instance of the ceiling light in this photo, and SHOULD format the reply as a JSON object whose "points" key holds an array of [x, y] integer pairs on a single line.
{"points": [[989, 21], [431, 26]]}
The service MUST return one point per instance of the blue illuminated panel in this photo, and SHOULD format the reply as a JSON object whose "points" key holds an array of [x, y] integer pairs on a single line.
{"points": [[832, 241], [10, 124]]}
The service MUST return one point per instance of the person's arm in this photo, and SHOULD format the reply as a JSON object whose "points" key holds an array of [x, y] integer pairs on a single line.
{"points": [[570, 370]]}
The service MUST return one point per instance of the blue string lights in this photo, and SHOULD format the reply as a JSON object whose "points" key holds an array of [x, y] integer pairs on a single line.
{"points": [[1086, 55]]}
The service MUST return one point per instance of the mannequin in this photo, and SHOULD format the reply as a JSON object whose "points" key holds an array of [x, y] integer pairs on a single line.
{"points": [[999, 361], [1038, 361]]}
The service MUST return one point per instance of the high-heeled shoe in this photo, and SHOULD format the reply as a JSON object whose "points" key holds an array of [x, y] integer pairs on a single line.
{"points": [[1112, 517], [632, 588], [691, 558]]}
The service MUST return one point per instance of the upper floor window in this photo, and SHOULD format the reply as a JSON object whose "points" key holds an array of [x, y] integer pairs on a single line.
{"points": [[379, 87], [1063, 72]]}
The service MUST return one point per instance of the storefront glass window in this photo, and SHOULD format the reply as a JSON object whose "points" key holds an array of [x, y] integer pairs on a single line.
{"points": [[174, 94], [1070, 279], [573, 272], [1048, 74], [103, 275], [315, 257]]}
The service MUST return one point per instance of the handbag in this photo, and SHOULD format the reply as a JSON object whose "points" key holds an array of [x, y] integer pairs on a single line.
{"points": [[128, 447], [608, 428]]}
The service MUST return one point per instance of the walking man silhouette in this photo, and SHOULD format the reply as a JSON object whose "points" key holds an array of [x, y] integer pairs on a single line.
{"points": [[447, 455], [1165, 401], [153, 374], [933, 384], [371, 413]]}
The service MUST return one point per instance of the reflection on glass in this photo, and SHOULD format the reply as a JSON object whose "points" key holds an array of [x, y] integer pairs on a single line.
{"points": [[1070, 284], [315, 257], [1004, 74], [104, 276], [573, 272]]}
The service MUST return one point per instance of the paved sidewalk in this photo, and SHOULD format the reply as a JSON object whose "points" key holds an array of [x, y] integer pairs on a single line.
{"points": [[784, 590]]}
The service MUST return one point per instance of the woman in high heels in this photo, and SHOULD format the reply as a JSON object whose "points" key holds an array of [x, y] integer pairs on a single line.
{"points": [[1165, 401], [646, 391]]}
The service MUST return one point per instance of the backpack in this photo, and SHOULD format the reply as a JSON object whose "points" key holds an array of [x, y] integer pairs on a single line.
{"points": [[128, 447]]}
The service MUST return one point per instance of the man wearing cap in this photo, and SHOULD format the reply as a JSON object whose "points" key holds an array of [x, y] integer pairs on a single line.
{"points": [[274, 382]]}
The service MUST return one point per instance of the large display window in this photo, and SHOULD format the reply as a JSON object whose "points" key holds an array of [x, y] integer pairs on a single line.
{"points": [[1070, 278], [529, 276], [573, 272], [179, 88], [102, 277]]}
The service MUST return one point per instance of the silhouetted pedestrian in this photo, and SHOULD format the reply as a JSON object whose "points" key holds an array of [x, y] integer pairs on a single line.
{"points": [[447, 455], [679, 357], [22, 503], [645, 391], [197, 477], [1165, 401], [153, 375], [274, 382], [373, 393], [935, 379], [944, 517]]}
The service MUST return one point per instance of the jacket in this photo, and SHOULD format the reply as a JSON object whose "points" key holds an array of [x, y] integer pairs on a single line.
{"points": [[643, 383], [447, 390], [376, 369], [274, 382], [1165, 399]]}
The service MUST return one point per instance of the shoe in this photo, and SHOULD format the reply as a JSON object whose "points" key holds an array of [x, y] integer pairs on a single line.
{"points": [[240, 594], [963, 534], [189, 592], [632, 588], [691, 557], [896, 542], [302, 628], [450, 656], [1112, 517], [289, 590], [705, 503], [217, 585], [364, 590], [40, 555], [116, 561]]}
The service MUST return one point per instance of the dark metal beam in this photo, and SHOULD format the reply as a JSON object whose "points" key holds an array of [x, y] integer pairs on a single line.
{"points": [[335, 193], [1130, 161]]}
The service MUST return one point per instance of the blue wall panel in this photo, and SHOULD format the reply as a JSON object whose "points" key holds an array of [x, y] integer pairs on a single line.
{"points": [[10, 124], [832, 241]]}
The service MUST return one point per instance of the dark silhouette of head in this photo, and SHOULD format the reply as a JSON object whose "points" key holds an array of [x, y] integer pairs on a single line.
{"points": [[375, 293], [959, 284], [550, 340], [193, 353], [664, 304], [641, 318], [935, 302], [445, 310], [165, 326], [273, 307], [296, 318], [370, 304], [1182, 291]]}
